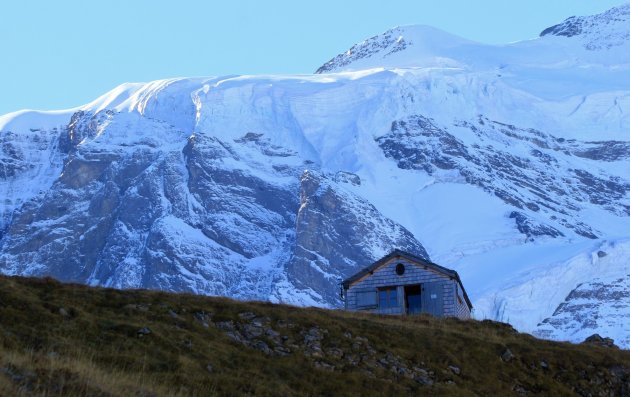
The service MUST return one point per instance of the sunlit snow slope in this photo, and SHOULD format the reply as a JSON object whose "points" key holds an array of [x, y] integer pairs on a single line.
{"points": [[510, 164]]}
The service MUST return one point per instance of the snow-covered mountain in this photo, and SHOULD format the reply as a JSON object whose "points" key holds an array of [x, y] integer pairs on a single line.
{"points": [[510, 164]]}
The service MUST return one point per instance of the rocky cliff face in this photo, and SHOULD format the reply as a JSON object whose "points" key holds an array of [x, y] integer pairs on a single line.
{"points": [[539, 179], [155, 207], [332, 228], [274, 188], [592, 307], [597, 305]]}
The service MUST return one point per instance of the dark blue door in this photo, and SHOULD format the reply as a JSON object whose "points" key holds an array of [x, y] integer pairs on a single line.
{"points": [[413, 299]]}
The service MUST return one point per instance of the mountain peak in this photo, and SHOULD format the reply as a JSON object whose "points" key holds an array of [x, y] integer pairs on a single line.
{"points": [[608, 29], [427, 42]]}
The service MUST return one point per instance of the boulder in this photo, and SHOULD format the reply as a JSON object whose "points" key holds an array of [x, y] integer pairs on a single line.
{"points": [[598, 340]]}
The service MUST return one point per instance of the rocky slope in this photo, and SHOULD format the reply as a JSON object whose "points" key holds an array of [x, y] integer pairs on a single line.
{"points": [[507, 163], [73, 340]]}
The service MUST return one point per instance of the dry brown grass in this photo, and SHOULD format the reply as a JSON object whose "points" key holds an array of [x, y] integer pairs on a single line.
{"points": [[91, 348]]}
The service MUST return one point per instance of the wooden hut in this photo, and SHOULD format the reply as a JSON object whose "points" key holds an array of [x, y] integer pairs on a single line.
{"points": [[402, 283]]}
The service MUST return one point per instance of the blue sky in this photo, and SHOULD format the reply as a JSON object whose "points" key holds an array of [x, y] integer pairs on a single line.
{"points": [[64, 53]]}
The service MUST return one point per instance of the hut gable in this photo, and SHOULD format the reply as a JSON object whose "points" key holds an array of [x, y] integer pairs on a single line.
{"points": [[402, 283]]}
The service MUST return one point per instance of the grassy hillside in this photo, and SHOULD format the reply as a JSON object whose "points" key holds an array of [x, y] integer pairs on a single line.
{"points": [[60, 339]]}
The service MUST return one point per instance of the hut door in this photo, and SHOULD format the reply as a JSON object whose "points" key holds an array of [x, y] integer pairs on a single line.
{"points": [[433, 299], [413, 301]]}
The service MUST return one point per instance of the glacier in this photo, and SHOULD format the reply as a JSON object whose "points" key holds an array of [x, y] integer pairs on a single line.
{"points": [[508, 163]]}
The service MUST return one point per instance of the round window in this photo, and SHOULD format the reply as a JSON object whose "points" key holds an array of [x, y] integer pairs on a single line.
{"points": [[400, 269]]}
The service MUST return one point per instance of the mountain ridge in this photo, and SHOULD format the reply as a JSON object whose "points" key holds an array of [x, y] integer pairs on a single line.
{"points": [[601, 39]]}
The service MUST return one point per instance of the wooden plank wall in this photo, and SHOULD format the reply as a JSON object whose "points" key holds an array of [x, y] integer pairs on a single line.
{"points": [[462, 309]]}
